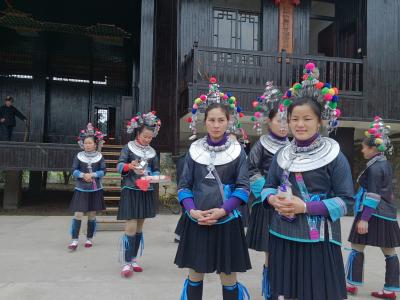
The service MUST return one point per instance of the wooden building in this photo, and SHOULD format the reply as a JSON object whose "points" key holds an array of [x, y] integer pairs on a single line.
{"points": [[70, 62]]}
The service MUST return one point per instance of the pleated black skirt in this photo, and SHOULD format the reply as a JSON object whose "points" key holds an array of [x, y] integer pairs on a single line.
{"points": [[135, 204], [87, 201], [217, 248], [179, 226], [381, 233], [257, 235], [306, 271]]}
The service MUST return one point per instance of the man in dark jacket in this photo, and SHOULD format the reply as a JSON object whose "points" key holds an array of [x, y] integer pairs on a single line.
{"points": [[7, 119]]}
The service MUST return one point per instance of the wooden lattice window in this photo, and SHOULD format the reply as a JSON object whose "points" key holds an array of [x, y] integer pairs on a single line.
{"points": [[236, 29]]}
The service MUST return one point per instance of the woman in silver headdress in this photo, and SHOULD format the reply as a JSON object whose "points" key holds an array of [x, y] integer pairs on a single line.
{"points": [[137, 160], [375, 222], [308, 184], [213, 184], [88, 170], [259, 160]]}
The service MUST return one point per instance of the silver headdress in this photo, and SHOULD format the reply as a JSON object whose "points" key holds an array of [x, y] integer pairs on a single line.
{"points": [[150, 119], [269, 100], [90, 131], [214, 95]]}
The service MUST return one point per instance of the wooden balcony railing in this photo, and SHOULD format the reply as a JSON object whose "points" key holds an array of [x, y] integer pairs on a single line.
{"points": [[37, 156], [244, 73]]}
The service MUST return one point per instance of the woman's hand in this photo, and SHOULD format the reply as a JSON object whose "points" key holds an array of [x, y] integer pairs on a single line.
{"points": [[212, 216], [198, 215], [135, 167], [87, 177], [288, 207], [362, 227]]}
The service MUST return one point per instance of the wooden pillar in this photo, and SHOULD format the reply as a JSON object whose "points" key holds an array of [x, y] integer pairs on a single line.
{"points": [[12, 190], [146, 56], [166, 65], [35, 182], [286, 10]]}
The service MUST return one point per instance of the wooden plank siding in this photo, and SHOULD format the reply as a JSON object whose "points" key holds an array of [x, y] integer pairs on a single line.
{"points": [[301, 27], [383, 67], [269, 27], [36, 156]]}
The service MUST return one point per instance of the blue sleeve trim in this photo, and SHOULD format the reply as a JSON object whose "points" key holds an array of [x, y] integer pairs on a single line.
{"points": [[77, 174], [257, 186], [99, 174], [242, 194], [228, 191], [370, 201], [385, 218], [88, 191], [336, 208], [267, 192], [155, 173], [184, 193]]}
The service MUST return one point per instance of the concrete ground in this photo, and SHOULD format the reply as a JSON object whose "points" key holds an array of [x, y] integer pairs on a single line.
{"points": [[35, 264]]}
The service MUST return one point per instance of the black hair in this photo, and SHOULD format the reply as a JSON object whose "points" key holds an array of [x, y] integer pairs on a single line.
{"points": [[221, 106], [272, 113], [315, 106], [9, 98], [370, 142], [143, 127]]}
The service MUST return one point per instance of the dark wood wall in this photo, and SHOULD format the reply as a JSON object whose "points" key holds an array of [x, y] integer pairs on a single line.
{"points": [[70, 104], [383, 67], [67, 107], [270, 26], [351, 31], [301, 27], [195, 24], [21, 91]]}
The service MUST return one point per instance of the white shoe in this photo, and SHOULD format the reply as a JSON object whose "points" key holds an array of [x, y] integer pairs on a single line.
{"points": [[127, 271], [73, 245], [88, 243]]}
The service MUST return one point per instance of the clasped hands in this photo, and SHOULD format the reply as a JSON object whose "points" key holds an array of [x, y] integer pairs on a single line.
{"points": [[87, 177], [287, 207], [207, 217]]}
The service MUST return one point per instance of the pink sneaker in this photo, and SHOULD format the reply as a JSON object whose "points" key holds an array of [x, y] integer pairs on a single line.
{"points": [[136, 267], [127, 271], [73, 245]]}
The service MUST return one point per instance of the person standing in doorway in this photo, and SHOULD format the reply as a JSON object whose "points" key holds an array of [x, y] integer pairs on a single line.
{"points": [[7, 119]]}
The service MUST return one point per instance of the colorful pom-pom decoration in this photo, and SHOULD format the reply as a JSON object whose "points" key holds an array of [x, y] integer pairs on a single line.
{"points": [[378, 134], [214, 95]]}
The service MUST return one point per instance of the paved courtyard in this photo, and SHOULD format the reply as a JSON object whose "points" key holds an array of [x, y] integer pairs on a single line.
{"points": [[35, 264]]}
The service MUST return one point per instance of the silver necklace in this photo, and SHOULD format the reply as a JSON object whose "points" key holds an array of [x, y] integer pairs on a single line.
{"points": [[314, 145], [212, 150]]}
